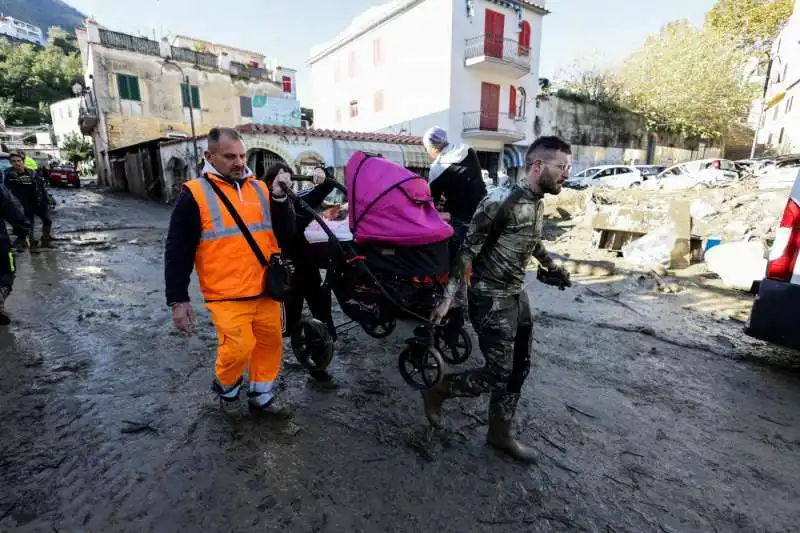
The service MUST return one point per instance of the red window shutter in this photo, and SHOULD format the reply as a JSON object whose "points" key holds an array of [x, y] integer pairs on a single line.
{"points": [[512, 102], [525, 39], [287, 84]]}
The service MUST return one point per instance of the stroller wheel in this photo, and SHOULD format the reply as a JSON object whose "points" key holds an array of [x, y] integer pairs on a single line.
{"points": [[381, 330], [458, 352], [422, 367], [312, 344]]}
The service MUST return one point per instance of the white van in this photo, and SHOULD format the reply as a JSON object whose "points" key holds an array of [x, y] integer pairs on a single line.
{"points": [[774, 309]]}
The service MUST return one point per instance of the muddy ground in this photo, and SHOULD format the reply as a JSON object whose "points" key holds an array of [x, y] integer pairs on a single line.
{"points": [[650, 412]]}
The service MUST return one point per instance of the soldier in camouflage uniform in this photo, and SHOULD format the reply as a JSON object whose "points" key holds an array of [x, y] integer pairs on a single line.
{"points": [[498, 305]]}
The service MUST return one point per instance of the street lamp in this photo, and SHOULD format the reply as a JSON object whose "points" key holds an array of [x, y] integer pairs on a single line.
{"points": [[168, 63]]}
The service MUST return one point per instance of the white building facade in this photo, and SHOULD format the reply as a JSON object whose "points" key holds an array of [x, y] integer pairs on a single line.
{"points": [[64, 115], [469, 66], [780, 129], [21, 30]]}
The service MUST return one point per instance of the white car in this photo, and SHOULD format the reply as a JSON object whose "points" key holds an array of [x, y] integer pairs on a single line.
{"points": [[773, 318], [612, 176], [703, 172]]}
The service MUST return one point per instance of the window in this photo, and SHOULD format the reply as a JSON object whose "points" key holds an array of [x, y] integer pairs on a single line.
{"points": [[524, 48], [351, 64], [376, 52], [192, 91], [287, 84], [377, 101], [354, 109], [512, 102], [623, 170], [128, 87], [522, 102], [246, 106]]}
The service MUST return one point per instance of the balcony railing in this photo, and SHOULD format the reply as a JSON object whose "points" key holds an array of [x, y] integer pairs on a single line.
{"points": [[498, 48], [246, 71], [196, 58], [123, 41], [501, 124]]}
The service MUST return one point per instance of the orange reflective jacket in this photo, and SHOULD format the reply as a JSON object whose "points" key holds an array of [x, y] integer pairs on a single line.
{"points": [[226, 265]]}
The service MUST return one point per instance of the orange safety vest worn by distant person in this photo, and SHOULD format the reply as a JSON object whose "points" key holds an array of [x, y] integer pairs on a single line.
{"points": [[226, 266]]}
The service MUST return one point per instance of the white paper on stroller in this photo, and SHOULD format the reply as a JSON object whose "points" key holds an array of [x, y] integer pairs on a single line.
{"points": [[341, 228]]}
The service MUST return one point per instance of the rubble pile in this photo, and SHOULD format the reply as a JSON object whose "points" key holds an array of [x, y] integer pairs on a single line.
{"points": [[738, 211]]}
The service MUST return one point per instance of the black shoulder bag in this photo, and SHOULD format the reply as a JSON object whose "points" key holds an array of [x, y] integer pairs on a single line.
{"points": [[277, 277]]}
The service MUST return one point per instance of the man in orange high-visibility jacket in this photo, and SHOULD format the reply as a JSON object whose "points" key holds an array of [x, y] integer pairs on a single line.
{"points": [[202, 234]]}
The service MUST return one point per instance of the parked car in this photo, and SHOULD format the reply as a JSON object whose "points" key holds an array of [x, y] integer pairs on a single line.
{"points": [[703, 172], [64, 175], [613, 176], [772, 318], [650, 171]]}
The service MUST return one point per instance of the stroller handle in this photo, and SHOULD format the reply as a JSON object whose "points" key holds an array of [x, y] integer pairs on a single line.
{"points": [[313, 214]]}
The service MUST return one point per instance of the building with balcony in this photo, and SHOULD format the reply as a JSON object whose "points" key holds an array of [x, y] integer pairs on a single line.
{"points": [[138, 90], [780, 130], [64, 116], [469, 66], [19, 30]]}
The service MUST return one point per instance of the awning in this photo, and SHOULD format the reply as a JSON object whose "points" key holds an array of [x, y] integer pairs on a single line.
{"points": [[514, 156], [416, 156], [344, 150]]}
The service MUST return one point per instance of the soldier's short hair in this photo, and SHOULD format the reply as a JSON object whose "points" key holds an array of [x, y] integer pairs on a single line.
{"points": [[549, 143], [216, 134], [19, 155]]}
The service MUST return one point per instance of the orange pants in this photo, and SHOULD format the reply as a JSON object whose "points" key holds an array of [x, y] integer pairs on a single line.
{"points": [[249, 331]]}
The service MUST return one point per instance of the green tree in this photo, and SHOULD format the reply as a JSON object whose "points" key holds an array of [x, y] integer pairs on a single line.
{"points": [[62, 39], [33, 78], [688, 80], [76, 149], [752, 24]]}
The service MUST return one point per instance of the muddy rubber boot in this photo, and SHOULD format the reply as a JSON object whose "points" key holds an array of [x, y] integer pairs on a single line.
{"points": [[433, 399], [271, 409], [501, 413], [5, 320]]}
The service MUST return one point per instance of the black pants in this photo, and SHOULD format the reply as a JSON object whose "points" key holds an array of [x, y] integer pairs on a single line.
{"points": [[8, 266], [307, 287], [43, 212]]}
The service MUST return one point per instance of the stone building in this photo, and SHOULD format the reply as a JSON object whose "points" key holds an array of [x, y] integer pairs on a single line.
{"points": [[136, 92]]}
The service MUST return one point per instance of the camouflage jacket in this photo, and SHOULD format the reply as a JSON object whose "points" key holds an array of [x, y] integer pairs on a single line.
{"points": [[500, 271]]}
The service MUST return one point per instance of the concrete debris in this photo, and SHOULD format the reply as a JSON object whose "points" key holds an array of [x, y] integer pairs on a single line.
{"points": [[655, 248], [700, 210]]}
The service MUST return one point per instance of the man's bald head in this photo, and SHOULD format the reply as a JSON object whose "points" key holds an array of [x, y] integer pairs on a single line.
{"points": [[226, 152]]}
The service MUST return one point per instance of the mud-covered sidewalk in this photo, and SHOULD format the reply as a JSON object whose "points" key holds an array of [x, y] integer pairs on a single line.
{"points": [[648, 414]]}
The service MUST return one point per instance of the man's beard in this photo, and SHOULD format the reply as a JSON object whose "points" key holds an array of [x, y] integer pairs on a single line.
{"points": [[549, 182]]}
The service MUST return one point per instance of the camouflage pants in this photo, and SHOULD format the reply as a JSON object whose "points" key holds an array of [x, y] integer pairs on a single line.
{"points": [[504, 328]]}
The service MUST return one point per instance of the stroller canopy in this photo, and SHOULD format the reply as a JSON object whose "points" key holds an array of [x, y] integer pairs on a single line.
{"points": [[390, 204]]}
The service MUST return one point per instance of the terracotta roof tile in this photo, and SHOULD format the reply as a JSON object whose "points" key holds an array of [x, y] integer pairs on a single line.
{"points": [[338, 135]]}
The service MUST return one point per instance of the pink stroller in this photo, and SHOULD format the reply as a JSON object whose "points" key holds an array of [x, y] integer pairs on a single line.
{"points": [[395, 267]]}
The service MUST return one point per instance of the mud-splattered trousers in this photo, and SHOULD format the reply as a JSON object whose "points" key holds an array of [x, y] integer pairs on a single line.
{"points": [[505, 330], [498, 305]]}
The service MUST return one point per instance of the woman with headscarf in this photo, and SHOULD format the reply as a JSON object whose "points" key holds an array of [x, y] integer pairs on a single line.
{"points": [[455, 174], [307, 285]]}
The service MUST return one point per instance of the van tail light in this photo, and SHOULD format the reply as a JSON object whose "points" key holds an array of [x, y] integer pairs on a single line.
{"points": [[783, 255], [716, 163]]}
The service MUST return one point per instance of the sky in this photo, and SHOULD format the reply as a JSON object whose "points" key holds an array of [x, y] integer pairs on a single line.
{"points": [[577, 32]]}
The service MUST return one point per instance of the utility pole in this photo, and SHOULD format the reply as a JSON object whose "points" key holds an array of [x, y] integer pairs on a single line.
{"points": [[191, 121]]}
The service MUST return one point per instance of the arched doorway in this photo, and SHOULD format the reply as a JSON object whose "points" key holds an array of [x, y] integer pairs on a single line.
{"points": [[259, 160]]}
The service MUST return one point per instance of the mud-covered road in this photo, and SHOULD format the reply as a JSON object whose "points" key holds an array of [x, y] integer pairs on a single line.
{"points": [[648, 415]]}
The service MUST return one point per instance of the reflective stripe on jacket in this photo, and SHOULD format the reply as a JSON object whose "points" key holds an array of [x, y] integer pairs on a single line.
{"points": [[226, 265]]}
